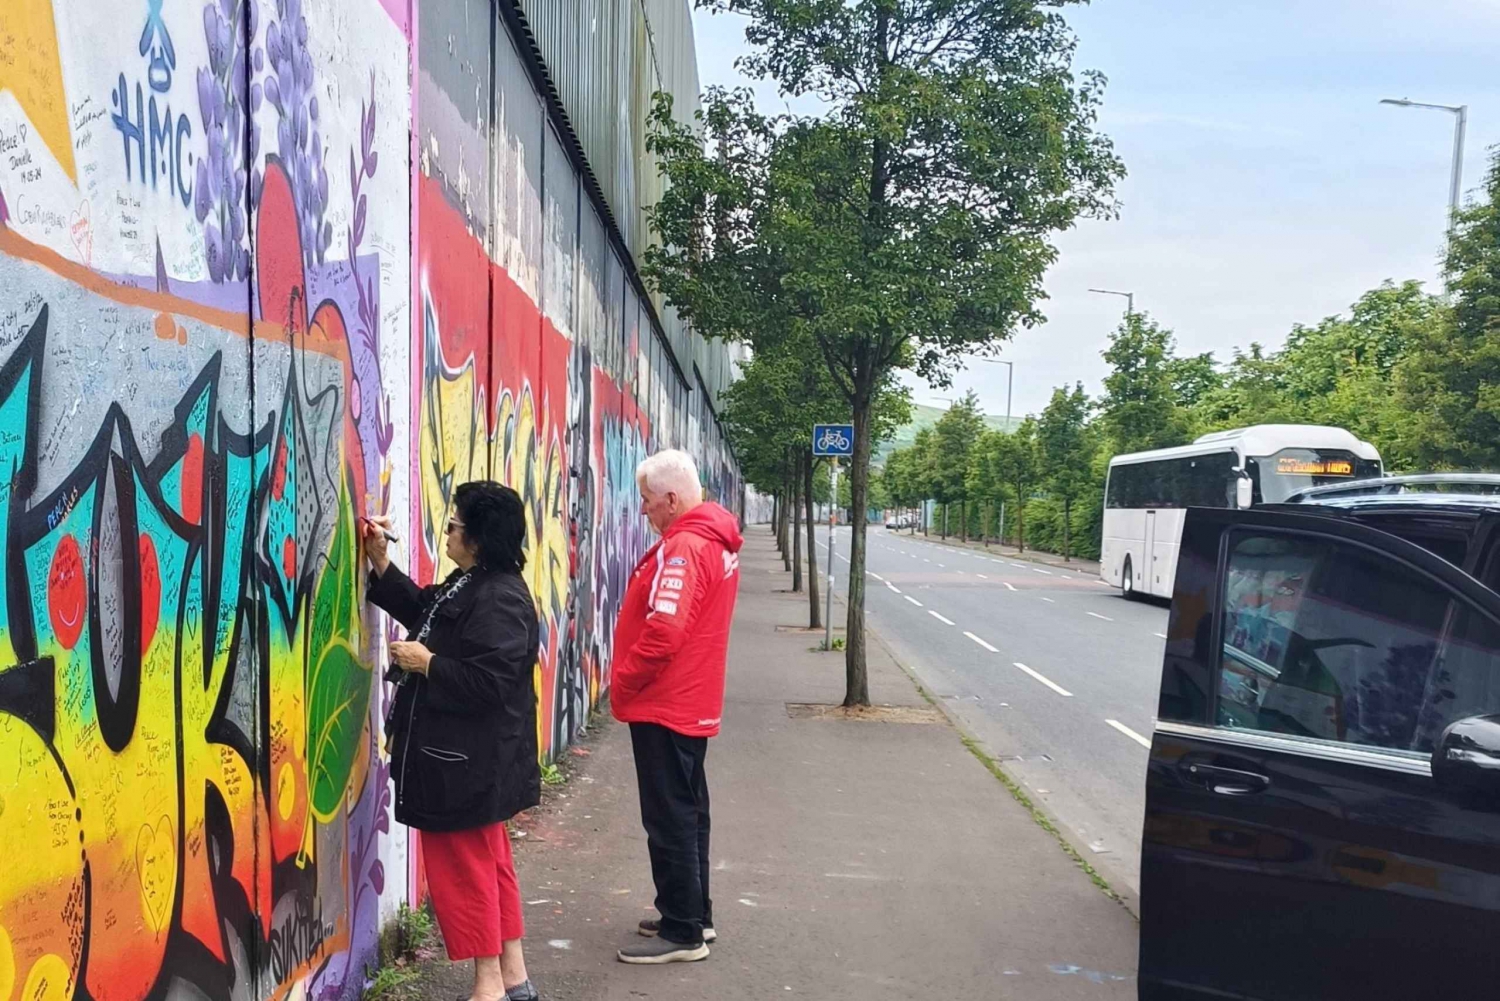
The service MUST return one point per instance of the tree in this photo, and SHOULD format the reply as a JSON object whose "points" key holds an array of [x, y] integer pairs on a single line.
{"points": [[1193, 378], [953, 439], [1064, 443], [769, 413], [909, 223], [1017, 465], [1140, 407], [896, 478], [924, 465]]}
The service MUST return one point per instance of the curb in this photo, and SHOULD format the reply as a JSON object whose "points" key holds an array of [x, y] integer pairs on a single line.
{"points": [[1101, 874]]}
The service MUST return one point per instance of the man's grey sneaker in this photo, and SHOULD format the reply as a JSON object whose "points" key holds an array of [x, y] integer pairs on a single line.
{"points": [[660, 951], [651, 927]]}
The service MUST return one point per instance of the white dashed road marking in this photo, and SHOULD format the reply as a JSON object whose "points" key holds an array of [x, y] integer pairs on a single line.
{"points": [[914, 601], [1129, 733], [945, 621], [1060, 690], [981, 642], [1106, 618]]}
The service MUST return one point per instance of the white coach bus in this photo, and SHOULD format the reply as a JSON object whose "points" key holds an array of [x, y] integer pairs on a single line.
{"points": [[1147, 493]]}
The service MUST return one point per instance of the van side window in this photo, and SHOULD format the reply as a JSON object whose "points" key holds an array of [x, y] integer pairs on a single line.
{"points": [[1328, 641], [1466, 679]]}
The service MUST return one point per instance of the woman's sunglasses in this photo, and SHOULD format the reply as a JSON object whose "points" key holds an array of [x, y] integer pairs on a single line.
{"points": [[454, 526]]}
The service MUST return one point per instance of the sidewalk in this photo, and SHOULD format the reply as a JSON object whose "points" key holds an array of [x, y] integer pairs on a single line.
{"points": [[852, 858], [1089, 568]]}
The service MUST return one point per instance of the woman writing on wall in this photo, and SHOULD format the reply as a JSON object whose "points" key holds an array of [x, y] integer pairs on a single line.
{"points": [[462, 726]]}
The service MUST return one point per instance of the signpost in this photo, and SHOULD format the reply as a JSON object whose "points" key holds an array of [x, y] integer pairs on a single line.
{"points": [[832, 441]]}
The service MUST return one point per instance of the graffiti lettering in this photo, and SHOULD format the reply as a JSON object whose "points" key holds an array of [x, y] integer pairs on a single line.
{"points": [[159, 143]]}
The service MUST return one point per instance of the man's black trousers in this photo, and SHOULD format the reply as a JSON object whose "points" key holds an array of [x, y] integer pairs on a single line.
{"points": [[674, 811]]}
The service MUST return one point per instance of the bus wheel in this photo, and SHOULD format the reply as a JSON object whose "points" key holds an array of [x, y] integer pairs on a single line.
{"points": [[1127, 581]]}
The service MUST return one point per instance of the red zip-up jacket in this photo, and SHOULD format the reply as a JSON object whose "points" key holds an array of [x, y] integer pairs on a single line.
{"points": [[672, 637]]}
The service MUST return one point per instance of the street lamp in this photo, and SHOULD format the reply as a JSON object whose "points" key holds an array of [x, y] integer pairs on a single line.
{"points": [[1129, 299], [1010, 376], [1460, 113]]}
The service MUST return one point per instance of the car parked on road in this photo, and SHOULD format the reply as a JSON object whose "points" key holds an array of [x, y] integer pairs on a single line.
{"points": [[1323, 793]]}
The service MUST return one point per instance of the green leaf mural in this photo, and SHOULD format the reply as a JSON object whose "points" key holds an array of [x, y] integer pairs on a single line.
{"points": [[338, 684]]}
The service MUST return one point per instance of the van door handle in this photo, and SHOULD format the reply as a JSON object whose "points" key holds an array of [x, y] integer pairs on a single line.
{"points": [[1228, 781]]}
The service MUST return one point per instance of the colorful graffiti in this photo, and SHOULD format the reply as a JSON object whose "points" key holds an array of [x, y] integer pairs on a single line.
{"points": [[185, 696], [218, 350], [191, 421]]}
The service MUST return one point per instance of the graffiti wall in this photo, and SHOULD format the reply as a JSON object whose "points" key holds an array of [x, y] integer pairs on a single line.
{"points": [[537, 363], [267, 267], [204, 338]]}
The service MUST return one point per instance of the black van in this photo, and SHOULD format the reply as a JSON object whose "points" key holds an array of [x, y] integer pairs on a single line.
{"points": [[1323, 796]]}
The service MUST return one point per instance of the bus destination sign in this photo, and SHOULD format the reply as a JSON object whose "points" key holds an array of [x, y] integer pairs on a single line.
{"points": [[1290, 466]]}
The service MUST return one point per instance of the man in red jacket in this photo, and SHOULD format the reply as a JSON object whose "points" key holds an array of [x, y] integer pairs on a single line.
{"points": [[671, 641]]}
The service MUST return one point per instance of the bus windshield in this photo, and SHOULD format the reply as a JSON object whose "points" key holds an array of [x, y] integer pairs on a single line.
{"points": [[1277, 477]]}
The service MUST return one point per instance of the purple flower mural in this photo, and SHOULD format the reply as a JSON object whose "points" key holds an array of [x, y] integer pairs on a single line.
{"points": [[365, 337], [219, 189], [289, 89]]}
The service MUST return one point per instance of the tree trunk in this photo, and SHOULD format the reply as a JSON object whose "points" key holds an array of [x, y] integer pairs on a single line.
{"points": [[780, 524], [1067, 527], [775, 510], [1020, 528], [786, 520], [944, 532], [984, 528], [797, 532], [814, 608], [856, 677]]}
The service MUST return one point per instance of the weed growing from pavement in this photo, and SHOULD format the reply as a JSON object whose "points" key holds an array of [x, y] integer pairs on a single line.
{"points": [[553, 775], [403, 943], [389, 981]]}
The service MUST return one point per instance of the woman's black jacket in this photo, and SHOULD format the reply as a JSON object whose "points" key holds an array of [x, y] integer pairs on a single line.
{"points": [[463, 739]]}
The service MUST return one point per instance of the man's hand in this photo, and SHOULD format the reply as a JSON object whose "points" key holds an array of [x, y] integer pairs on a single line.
{"points": [[412, 657]]}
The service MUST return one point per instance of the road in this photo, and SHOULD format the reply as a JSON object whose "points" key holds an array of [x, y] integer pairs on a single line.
{"points": [[1052, 670]]}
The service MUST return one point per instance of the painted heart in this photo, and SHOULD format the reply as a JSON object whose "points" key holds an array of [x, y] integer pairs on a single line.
{"points": [[82, 229], [156, 864]]}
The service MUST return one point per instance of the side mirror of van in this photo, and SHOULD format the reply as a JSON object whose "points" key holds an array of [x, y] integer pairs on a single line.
{"points": [[1466, 761], [1244, 492]]}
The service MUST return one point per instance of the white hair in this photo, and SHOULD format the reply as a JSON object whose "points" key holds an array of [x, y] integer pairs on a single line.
{"points": [[670, 471]]}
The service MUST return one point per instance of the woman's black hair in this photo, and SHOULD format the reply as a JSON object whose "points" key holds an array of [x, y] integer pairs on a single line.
{"points": [[494, 519]]}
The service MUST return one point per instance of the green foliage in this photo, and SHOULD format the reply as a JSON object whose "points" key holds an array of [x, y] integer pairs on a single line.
{"points": [[1065, 444], [909, 223], [402, 943], [1140, 409], [951, 442], [1450, 382], [392, 982], [1415, 375]]}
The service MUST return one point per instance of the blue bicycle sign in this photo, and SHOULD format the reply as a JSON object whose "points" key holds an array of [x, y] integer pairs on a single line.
{"points": [[833, 439]]}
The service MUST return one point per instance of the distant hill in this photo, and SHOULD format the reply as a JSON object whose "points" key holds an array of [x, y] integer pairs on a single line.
{"points": [[926, 417]]}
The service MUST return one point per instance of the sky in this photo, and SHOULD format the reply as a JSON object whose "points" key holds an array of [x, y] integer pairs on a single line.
{"points": [[1267, 185]]}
